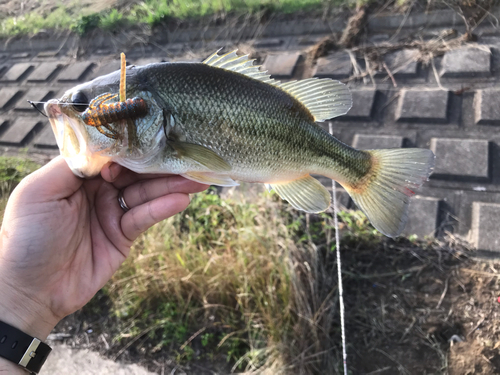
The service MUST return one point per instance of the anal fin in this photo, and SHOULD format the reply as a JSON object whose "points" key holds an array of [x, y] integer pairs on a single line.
{"points": [[306, 194], [210, 178]]}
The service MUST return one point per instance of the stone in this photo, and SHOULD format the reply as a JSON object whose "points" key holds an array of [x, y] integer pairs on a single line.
{"points": [[461, 157], [423, 106], [467, 62], [484, 227], [371, 142], [487, 110], [35, 95], [44, 72], [45, 54], [337, 65], [17, 72], [268, 43], [149, 60], [8, 96], [75, 72], [423, 215], [20, 131], [21, 55], [402, 63], [282, 65], [46, 138], [308, 40], [362, 105], [106, 68]]}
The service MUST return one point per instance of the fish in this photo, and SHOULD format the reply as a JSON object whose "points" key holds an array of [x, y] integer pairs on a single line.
{"points": [[223, 121]]}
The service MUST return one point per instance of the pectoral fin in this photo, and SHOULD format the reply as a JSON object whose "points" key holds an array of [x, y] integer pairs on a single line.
{"points": [[306, 194], [210, 178], [201, 155]]}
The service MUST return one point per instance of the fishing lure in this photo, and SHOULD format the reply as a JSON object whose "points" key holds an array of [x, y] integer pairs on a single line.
{"points": [[101, 112]]}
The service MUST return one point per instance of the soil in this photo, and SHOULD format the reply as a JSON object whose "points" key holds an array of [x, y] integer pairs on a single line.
{"points": [[435, 312]]}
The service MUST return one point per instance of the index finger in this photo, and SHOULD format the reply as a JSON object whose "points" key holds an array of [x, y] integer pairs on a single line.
{"points": [[121, 177], [53, 181]]}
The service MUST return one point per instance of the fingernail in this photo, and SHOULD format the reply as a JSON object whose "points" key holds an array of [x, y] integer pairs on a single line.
{"points": [[114, 170]]}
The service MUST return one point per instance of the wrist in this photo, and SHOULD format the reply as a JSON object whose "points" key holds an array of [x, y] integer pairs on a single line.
{"points": [[24, 313], [10, 368]]}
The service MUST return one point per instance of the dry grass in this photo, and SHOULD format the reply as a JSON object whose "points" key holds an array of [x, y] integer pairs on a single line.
{"points": [[248, 284], [246, 274], [253, 283]]}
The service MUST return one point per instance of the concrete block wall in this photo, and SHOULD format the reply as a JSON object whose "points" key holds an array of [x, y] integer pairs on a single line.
{"points": [[452, 107]]}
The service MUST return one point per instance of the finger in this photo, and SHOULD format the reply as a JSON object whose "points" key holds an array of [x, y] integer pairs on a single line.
{"points": [[110, 171], [142, 217], [148, 190], [125, 177], [53, 181]]}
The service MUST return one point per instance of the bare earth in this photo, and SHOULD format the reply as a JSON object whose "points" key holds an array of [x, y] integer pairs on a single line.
{"points": [[64, 360]]}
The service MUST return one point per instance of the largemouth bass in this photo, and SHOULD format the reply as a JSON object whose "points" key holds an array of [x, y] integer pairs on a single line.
{"points": [[223, 121]]}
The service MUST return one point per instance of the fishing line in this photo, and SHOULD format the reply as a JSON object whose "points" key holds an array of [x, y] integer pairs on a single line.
{"points": [[38, 109], [339, 268], [31, 101]]}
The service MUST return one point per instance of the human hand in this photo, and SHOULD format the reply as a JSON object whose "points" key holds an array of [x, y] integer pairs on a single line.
{"points": [[63, 237]]}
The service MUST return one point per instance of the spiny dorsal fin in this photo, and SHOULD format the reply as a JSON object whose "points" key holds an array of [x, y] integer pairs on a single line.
{"points": [[324, 98], [240, 64]]}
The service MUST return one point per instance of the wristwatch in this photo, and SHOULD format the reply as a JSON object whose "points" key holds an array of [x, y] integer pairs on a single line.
{"points": [[18, 347]]}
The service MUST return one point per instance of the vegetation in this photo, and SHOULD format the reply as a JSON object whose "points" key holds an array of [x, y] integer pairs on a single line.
{"points": [[240, 280], [233, 278], [248, 284], [83, 18], [12, 171]]}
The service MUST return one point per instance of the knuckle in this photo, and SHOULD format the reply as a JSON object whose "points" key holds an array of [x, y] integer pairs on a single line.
{"points": [[143, 192]]}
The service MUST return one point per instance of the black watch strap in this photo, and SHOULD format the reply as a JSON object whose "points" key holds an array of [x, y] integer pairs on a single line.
{"points": [[22, 349]]}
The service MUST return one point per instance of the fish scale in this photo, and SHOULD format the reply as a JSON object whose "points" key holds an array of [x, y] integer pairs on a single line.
{"points": [[224, 121]]}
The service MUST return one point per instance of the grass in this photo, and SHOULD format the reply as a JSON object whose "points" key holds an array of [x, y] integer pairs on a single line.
{"points": [[12, 171], [244, 283], [236, 279], [229, 280], [82, 19]]}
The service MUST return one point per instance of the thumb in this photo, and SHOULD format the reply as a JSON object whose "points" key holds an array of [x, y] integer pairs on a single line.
{"points": [[52, 182]]}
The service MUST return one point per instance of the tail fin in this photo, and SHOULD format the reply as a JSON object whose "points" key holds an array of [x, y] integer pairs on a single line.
{"points": [[385, 196]]}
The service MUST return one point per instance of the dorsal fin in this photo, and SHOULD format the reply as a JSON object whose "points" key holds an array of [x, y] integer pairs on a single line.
{"points": [[324, 98], [240, 64]]}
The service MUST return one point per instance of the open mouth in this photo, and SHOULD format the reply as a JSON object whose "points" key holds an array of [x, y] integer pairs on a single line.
{"points": [[72, 142]]}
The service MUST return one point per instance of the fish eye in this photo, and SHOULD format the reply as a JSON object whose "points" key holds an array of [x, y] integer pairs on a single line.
{"points": [[79, 101]]}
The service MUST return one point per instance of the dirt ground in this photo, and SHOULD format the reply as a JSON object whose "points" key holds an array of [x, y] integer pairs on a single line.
{"points": [[63, 360], [423, 311]]}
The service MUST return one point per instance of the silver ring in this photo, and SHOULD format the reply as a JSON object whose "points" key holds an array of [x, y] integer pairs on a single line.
{"points": [[121, 202]]}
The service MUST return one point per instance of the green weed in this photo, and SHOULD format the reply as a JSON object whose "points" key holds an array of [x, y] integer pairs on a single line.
{"points": [[12, 171], [232, 276], [151, 12]]}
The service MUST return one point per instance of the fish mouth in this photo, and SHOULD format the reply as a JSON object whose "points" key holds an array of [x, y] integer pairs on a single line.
{"points": [[72, 140]]}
